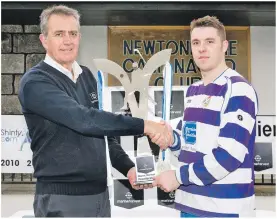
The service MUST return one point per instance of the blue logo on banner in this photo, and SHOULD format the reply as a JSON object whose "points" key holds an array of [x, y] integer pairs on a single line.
{"points": [[189, 132]]}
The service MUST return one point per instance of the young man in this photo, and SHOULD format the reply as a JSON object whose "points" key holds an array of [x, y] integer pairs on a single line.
{"points": [[215, 140], [67, 129]]}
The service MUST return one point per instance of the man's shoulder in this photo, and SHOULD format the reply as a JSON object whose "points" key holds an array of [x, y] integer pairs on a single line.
{"points": [[85, 68], [32, 73], [36, 74], [236, 77], [240, 86]]}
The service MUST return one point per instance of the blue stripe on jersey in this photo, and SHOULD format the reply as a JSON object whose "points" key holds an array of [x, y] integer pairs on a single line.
{"points": [[221, 190], [206, 116], [232, 130], [248, 161], [243, 103], [189, 90], [190, 157], [236, 79], [225, 159], [209, 90], [202, 173], [202, 213], [184, 172]]}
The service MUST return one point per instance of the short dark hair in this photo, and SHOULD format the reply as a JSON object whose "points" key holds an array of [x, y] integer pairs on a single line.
{"points": [[209, 21]]}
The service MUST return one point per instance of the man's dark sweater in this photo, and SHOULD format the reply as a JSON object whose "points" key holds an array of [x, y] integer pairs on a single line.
{"points": [[67, 132]]}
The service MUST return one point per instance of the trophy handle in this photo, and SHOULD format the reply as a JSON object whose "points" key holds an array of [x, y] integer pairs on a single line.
{"points": [[141, 78], [116, 70]]}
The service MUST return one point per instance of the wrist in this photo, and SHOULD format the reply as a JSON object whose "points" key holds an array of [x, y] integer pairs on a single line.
{"points": [[146, 126], [130, 171]]}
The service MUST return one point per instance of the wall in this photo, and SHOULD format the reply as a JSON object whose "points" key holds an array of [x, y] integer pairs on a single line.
{"points": [[263, 61], [93, 45], [21, 49]]}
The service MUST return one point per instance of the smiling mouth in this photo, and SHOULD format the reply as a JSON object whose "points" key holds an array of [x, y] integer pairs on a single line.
{"points": [[203, 57], [66, 50]]}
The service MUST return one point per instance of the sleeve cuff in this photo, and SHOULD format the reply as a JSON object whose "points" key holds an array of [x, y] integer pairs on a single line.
{"points": [[177, 142], [178, 175], [124, 165]]}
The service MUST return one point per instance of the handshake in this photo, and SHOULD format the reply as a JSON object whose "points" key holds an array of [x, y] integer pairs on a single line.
{"points": [[160, 133]]}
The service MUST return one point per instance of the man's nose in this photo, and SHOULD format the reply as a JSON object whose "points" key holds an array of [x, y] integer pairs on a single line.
{"points": [[66, 39], [202, 47]]}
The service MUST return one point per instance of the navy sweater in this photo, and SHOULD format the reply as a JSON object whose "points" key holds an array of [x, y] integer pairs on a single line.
{"points": [[67, 132]]}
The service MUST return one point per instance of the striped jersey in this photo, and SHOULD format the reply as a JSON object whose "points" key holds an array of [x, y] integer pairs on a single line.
{"points": [[214, 143]]}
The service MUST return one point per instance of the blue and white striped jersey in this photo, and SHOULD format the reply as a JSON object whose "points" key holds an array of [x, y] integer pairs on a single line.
{"points": [[214, 144]]}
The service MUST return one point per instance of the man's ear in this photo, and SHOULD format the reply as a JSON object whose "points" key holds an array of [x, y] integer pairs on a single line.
{"points": [[43, 41], [225, 45]]}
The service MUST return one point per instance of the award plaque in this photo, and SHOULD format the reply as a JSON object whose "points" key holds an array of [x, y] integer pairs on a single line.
{"points": [[145, 168]]}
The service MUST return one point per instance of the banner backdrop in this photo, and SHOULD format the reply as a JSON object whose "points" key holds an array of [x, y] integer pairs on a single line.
{"points": [[265, 146], [123, 40], [15, 145]]}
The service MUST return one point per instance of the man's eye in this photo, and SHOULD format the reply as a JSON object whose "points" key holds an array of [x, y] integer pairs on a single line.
{"points": [[210, 41], [58, 34], [195, 43]]}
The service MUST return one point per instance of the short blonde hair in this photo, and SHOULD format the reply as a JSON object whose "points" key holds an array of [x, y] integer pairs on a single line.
{"points": [[209, 21], [58, 10]]}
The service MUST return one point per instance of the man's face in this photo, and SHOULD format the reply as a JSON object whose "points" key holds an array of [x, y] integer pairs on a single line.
{"points": [[62, 40], [208, 49]]}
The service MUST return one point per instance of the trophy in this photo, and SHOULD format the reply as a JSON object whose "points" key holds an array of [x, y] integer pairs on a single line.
{"points": [[145, 162]]}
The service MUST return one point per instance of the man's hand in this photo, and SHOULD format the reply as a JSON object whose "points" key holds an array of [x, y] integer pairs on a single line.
{"points": [[167, 181], [160, 133], [132, 176], [159, 138]]}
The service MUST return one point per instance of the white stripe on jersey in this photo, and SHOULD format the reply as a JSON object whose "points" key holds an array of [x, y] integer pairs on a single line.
{"points": [[214, 104], [217, 205], [206, 135], [237, 150], [239, 176], [214, 168], [244, 89], [232, 117]]}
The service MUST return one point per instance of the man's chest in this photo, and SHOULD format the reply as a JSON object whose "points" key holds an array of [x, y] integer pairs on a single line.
{"points": [[84, 93]]}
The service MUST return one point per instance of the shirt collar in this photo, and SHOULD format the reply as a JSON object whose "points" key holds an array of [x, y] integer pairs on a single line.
{"points": [[75, 67]]}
